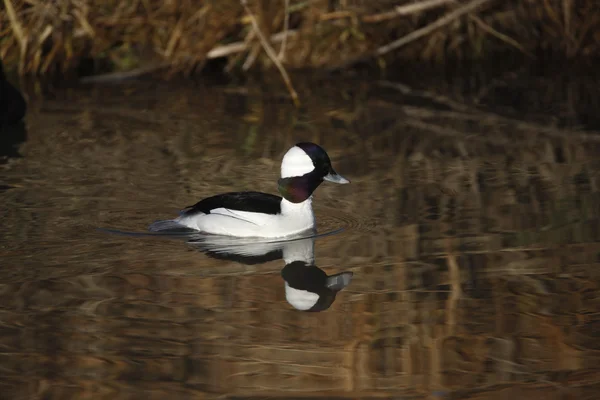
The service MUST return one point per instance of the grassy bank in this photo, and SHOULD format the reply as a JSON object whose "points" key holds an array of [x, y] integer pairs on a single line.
{"points": [[39, 37]]}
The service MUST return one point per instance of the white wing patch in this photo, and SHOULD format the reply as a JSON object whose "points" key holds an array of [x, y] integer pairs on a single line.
{"points": [[223, 221], [252, 217]]}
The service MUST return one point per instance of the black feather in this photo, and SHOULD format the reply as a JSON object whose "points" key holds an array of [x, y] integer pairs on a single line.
{"points": [[240, 201]]}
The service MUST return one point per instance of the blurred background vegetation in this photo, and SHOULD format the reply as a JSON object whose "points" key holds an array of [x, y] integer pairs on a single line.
{"points": [[88, 37]]}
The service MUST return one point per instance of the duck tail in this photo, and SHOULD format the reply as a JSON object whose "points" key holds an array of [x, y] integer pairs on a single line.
{"points": [[168, 225]]}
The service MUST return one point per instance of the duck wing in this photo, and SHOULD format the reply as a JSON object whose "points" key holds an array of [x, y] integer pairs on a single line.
{"points": [[256, 202]]}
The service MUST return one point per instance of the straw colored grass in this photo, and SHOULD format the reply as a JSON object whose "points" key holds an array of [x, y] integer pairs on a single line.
{"points": [[43, 36]]}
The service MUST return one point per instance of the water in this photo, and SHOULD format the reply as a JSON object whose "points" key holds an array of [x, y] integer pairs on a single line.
{"points": [[472, 235]]}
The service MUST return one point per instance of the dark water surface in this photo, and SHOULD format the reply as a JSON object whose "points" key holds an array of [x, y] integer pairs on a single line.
{"points": [[473, 236]]}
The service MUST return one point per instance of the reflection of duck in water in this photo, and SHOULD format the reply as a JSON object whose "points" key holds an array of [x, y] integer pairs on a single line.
{"points": [[307, 287]]}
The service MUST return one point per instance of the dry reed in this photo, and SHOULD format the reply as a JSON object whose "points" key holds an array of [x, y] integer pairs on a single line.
{"points": [[40, 36]]}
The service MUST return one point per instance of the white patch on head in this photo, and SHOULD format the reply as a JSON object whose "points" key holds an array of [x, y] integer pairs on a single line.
{"points": [[300, 299], [296, 163]]}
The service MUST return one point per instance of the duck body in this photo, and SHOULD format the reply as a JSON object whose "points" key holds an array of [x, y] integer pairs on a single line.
{"points": [[249, 214], [256, 214]]}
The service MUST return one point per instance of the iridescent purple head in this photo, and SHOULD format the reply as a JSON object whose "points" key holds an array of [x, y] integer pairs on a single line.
{"points": [[303, 168]]}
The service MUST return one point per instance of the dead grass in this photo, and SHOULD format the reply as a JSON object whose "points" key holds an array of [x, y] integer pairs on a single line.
{"points": [[43, 36]]}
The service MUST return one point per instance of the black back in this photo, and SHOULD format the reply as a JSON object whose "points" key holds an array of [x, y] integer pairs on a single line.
{"points": [[241, 201]]}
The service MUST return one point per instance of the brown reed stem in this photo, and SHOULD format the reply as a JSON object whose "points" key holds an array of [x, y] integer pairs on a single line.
{"points": [[286, 25], [445, 20], [406, 9], [414, 35], [18, 31], [505, 38], [271, 53], [219, 51], [123, 75]]}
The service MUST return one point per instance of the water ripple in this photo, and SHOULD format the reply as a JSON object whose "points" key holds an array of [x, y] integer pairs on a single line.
{"points": [[332, 219]]}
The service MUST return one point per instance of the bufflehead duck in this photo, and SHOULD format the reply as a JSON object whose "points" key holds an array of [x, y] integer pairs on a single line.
{"points": [[307, 287], [254, 214]]}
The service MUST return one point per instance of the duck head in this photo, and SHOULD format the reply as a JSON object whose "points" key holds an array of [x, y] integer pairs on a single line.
{"points": [[303, 168]]}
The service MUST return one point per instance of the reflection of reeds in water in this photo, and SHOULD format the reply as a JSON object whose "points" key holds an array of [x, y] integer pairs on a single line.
{"points": [[477, 277]]}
